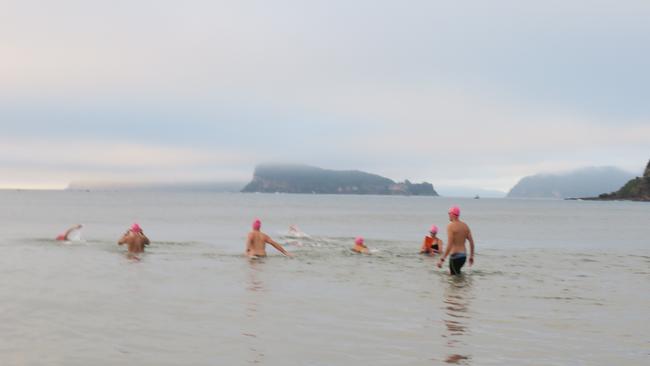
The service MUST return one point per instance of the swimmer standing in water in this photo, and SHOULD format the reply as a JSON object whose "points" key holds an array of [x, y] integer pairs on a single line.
{"points": [[457, 233], [64, 236], [432, 245], [135, 239], [360, 247], [257, 240]]}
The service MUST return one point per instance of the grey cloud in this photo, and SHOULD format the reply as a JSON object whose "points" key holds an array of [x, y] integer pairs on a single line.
{"points": [[411, 90]]}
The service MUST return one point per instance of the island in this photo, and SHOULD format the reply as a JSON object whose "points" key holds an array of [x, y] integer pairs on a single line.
{"points": [[583, 182], [637, 189], [290, 178]]}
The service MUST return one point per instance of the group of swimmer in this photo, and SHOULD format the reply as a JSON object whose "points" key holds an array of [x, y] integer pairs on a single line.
{"points": [[458, 233], [134, 238]]}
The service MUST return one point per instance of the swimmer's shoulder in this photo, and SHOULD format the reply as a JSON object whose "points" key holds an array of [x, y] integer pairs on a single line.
{"points": [[465, 226], [452, 226]]}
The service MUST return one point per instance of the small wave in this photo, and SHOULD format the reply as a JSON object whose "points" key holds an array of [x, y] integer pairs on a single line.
{"points": [[568, 298], [485, 272], [174, 243], [49, 241], [295, 233], [587, 260]]}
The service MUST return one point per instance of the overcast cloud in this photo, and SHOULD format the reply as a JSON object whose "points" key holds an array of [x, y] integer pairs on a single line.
{"points": [[468, 93]]}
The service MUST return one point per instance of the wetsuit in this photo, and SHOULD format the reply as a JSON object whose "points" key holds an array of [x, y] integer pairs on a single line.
{"points": [[456, 262], [429, 247]]}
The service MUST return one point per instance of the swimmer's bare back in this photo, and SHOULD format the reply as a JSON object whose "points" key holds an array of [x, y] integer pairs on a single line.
{"points": [[256, 245], [458, 233]]}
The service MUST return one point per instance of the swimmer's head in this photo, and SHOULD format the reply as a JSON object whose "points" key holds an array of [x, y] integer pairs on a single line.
{"points": [[433, 230], [454, 211], [136, 228], [257, 224], [358, 241]]}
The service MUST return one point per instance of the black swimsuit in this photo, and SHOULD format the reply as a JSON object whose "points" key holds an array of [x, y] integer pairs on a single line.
{"points": [[456, 262]]}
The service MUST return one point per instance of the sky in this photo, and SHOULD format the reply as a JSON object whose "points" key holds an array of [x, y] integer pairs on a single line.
{"points": [[456, 93]]}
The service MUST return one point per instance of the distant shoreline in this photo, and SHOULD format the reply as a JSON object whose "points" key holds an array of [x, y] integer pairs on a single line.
{"points": [[635, 199]]}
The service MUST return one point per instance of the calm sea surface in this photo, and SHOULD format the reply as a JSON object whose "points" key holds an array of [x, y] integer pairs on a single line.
{"points": [[554, 283]]}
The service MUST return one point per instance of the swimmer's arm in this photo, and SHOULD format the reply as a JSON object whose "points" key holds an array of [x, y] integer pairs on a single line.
{"points": [[471, 247], [146, 240], [446, 254], [249, 244], [278, 247], [441, 245], [67, 232], [424, 246], [450, 237], [123, 239]]}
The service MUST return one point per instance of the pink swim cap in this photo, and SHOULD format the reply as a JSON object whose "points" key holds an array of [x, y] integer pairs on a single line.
{"points": [[136, 228], [358, 241], [434, 229], [454, 210], [257, 224]]}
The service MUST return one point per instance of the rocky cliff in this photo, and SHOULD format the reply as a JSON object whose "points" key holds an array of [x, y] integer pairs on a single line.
{"points": [[637, 189], [272, 178]]}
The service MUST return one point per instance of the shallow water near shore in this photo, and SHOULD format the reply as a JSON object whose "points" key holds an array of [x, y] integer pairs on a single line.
{"points": [[555, 282]]}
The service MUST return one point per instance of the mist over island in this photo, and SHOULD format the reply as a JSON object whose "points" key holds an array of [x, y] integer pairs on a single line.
{"points": [[293, 178], [590, 183], [157, 186], [585, 182], [280, 178]]}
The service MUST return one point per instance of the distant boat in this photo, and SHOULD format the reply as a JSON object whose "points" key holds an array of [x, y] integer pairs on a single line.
{"points": [[476, 197]]}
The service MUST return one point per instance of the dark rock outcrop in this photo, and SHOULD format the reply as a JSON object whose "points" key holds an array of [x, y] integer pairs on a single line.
{"points": [[271, 178], [637, 189]]}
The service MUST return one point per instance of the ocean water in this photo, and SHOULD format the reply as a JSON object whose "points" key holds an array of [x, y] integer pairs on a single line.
{"points": [[554, 283]]}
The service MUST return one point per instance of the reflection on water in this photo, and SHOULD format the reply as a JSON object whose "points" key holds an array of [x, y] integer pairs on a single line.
{"points": [[456, 301], [133, 257], [255, 288], [194, 300], [255, 284]]}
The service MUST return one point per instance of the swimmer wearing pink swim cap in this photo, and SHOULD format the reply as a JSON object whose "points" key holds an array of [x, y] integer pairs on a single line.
{"points": [[458, 233], [431, 245], [136, 228], [360, 246], [257, 240], [257, 224], [135, 239]]}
